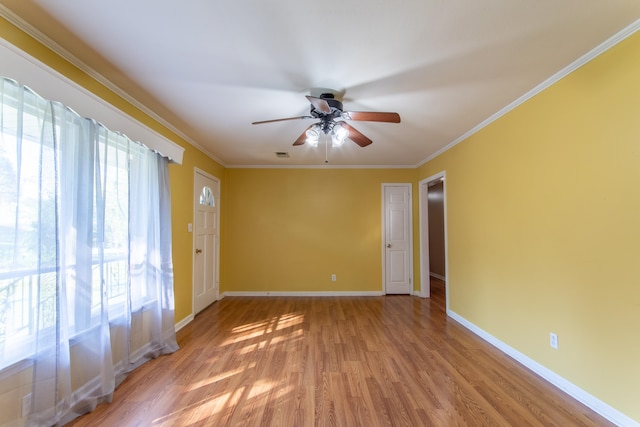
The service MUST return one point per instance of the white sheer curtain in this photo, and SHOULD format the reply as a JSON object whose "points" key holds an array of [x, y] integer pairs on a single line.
{"points": [[86, 279]]}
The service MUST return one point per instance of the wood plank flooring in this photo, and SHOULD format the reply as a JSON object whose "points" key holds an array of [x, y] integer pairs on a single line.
{"points": [[335, 361]]}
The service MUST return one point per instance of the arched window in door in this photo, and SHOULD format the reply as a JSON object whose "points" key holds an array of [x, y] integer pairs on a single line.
{"points": [[206, 197]]}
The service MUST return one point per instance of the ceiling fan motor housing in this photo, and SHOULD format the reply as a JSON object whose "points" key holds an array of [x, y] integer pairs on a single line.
{"points": [[334, 104]]}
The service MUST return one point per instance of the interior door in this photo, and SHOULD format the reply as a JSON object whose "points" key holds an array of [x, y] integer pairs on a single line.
{"points": [[397, 239], [205, 239]]}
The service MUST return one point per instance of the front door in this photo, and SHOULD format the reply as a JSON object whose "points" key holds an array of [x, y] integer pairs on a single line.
{"points": [[205, 240], [397, 238]]}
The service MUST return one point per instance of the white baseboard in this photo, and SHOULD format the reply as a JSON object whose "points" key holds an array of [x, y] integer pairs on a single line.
{"points": [[437, 276], [184, 322], [305, 294], [571, 389]]}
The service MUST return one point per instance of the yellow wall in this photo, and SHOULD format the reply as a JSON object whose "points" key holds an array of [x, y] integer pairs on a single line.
{"points": [[544, 227], [543, 222], [291, 229], [181, 176], [347, 200]]}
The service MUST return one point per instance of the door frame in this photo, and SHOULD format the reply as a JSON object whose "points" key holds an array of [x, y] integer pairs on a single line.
{"points": [[193, 238], [425, 275], [384, 230]]}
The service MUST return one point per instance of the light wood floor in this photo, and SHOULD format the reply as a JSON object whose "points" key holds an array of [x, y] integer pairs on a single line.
{"points": [[325, 361]]}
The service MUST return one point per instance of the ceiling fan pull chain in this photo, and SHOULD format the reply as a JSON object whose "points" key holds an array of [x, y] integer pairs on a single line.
{"points": [[326, 150]]}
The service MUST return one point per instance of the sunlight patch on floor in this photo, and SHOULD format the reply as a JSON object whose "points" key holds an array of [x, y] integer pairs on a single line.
{"points": [[197, 411], [289, 320], [221, 376], [258, 329]]}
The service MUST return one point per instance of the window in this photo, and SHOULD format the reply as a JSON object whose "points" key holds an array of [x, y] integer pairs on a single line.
{"points": [[35, 216], [206, 197], [85, 249]]}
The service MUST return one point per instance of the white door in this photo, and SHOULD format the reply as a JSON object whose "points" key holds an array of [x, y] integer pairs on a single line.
{"points": [[205, 240], [397, 238]]}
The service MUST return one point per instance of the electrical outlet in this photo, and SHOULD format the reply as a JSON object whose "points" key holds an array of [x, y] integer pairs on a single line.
{"points": [[333, 278], [553, 340], [26, 405]]}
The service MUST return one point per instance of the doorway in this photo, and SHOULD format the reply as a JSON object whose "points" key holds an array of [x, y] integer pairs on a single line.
{"points": [[397, 241], [433, 235], [206, 221]]}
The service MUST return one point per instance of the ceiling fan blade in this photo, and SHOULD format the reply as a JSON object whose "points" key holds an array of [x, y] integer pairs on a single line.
{"points": [[319, 104], [282, 120], [356, 136], [372, 116], [303, 137]]}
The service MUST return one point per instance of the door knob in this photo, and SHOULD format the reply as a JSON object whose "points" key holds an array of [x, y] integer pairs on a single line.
{"points": [[198, 251], [388, 245]]}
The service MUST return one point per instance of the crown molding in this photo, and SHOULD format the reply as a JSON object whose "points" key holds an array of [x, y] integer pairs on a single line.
{"points": [[46, 41], [65, 54], [589, 56], [320, 166]]}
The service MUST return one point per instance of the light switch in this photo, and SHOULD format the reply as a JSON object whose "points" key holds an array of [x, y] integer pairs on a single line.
{"points": [[190, 227]]}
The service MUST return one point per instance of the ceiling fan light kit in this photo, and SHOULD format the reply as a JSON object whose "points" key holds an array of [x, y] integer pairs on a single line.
{"points": [[328, 110], [339, 135], [312, 135]]}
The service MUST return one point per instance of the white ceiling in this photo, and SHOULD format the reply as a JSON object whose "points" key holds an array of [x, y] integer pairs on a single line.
{"points": [[210, 68]]}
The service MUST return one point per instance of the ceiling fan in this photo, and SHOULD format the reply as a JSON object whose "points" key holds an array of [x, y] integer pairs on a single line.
{"points": [[329, 111]]}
